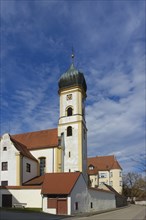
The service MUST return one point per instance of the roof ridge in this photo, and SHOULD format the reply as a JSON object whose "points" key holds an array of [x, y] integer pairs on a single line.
{"points": [[65, 187], [34, 131], [26, 152], [38, 139]]}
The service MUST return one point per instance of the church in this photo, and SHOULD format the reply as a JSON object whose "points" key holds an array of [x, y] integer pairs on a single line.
{"points": [[47, 169]]}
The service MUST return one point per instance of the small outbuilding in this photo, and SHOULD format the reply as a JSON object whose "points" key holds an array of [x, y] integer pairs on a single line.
{"points": [[67, 194]]}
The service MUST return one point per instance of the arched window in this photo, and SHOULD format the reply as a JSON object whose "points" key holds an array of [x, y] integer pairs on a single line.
{"points": [[69, 131], [69, 111], [42, 165]]}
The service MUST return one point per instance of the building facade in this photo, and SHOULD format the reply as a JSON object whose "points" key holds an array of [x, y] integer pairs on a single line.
{"points": [[105, 170], [28, 160]]}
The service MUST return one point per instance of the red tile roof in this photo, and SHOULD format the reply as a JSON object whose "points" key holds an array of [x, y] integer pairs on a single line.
{"points": [[59, 183], [35, 181], [22, 149], [38, 139], [103, 163], [94, 171]]}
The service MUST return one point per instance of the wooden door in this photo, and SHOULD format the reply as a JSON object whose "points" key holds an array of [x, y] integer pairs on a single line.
{"points": [[62, 206], [6, 200]]}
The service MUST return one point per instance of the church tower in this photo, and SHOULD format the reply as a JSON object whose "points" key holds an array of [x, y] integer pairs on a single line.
{"points": [[72, 125]]}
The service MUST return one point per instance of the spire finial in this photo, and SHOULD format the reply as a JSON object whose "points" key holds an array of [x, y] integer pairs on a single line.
{"points": [[72, 55]]}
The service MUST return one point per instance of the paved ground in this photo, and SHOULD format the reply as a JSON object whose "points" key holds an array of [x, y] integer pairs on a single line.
{"points": [[134, 212], [20, 215]]}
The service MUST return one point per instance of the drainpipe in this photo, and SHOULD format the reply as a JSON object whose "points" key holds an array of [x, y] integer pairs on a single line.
{"points": [[53, 161], [42, 201]]}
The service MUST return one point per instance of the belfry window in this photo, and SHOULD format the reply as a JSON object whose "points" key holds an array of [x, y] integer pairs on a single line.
{"points": [[42, 165], [69, 131], [69, 111]]}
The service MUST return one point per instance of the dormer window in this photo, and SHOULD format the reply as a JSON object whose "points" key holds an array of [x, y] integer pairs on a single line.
{"points": [[91, 167]]}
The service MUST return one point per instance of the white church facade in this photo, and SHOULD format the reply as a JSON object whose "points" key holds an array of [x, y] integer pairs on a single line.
{"points": [[48, 169]]}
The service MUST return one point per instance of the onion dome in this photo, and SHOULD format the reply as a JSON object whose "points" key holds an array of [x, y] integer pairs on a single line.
{"points": [[72, 78]]}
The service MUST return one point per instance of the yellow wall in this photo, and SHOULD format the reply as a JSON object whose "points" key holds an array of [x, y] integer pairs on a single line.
{"points": [[18, 169], [115, 179], [58, 160]]}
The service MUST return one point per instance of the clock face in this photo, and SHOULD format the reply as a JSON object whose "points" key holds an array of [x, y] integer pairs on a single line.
{"points": [[69, 97]]}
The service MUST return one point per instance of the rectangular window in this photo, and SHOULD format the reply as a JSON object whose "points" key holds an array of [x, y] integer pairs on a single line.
{"points": [[102, 175], [111, 174], [4, 148], [69, 154], [120, 174], [4, 165], [76, 206], [120, 183], [4, 183], [42, 165], [91, 205], [28, 168]]}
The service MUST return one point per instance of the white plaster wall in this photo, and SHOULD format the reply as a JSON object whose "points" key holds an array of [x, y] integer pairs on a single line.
{"points": [[84, 196], [84, 151], [101, 200], [49, 154], [32, 197], [71, 144], [69, 205], [76, 95], [33, 172], [8, 156], [79, 194]]}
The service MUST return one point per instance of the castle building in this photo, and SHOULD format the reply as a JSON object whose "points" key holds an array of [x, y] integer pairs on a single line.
{"points": [[47, 169]]}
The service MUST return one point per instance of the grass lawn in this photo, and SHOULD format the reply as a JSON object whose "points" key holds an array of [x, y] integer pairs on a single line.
{"points": [[22, 209]]}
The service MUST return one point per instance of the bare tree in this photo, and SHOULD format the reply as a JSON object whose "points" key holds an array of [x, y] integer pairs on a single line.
{"points": [[134, 185]]}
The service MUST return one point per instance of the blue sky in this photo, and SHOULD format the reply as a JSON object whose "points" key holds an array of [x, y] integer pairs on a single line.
{"points": [[109, 42]]}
